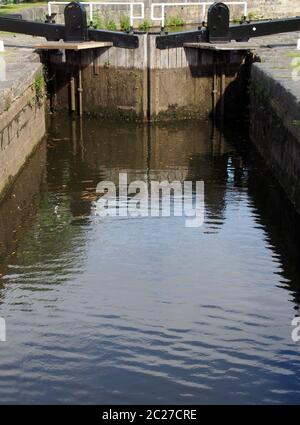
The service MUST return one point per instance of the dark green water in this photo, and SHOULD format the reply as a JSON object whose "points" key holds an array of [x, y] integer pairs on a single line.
{"points": [[145, 310]]}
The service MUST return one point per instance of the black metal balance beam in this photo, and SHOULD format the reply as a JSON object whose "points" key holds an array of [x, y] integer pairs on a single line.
{"points": [[178, 39], [74, 30], [262, 28], [51, 32], [218, 29], [118, 38]]}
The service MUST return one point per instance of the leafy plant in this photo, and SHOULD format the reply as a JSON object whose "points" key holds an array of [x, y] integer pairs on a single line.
{"points": [[235, 20], [145, 25], [110, 25], [125, 23], [98, 21], [252, 16], [174, 21], [39, 85]]}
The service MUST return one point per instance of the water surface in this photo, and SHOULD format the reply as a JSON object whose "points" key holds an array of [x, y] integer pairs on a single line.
{"points": [[145, 310]]}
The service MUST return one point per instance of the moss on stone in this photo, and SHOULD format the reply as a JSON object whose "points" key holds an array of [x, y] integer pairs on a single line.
{"points": [[39, 85]]}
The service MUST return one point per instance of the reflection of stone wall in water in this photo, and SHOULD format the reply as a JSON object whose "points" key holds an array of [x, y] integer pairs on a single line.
{"points": [[18, 209]]}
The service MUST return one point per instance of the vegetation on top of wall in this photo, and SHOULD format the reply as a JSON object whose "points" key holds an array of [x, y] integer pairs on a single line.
{"points": [[7, 8], [145, 25], [98, 21], [17, 1], [110, 25], [253, 16], [125, 23], [236, 19], [174, 21]]}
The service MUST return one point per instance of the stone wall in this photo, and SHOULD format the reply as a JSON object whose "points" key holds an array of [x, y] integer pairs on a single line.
{"points": [[22, 118], [275, 123], [257, 9], [274, 8], [37, 13]]}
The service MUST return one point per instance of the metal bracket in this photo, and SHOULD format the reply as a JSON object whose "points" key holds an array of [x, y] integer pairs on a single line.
{"points": [[50, 19]]}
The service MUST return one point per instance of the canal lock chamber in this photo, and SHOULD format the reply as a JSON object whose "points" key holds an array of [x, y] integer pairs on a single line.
{"points": [[149, 84], [225, 84], [141, 296], [144, 308]]}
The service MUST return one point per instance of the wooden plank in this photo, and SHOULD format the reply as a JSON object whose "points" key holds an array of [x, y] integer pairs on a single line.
{"points": [[54, 45], [221, 47], [178, 57], [172, 57], [184, 62]]}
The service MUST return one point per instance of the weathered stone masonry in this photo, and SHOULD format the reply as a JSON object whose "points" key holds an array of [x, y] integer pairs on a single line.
{"points": [[22, 119], [258, 9], [275, 114]]}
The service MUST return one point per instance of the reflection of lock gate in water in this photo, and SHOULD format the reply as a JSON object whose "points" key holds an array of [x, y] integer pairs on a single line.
{"points": [[2, 330]]}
